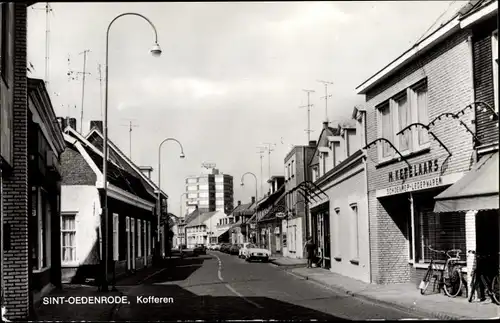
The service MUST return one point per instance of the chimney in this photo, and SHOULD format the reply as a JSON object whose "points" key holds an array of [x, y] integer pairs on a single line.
{"points": [[146, 170], [96, 124], [62, 123], [312, 143], [239, 203], [72, 123], [253, 199], [325, 124]]}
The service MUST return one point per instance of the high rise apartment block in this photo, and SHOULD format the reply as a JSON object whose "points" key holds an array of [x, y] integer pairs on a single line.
{"points": [[209, 191]]}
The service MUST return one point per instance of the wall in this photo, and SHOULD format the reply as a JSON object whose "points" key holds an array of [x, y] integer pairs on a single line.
{"points": [[15, 184], [84, 201], [449, 75], [74, 168]]}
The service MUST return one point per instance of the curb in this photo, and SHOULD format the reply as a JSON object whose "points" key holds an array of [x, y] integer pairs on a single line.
{"points": [[401, 307]]}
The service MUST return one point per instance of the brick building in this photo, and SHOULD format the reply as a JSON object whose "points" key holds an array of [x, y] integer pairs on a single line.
{"points": [[131, 208], [294, 226], [16, 261], [408, 170], [339, 212]]}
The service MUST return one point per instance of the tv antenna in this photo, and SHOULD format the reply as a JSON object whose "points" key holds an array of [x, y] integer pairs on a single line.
{"points": [[261, 156], [73, 75], [308, 106], [130, 126], [269, 147], [48, 9], [326, 83]]}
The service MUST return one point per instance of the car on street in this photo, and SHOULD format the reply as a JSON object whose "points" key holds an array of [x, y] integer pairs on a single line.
{"points": [[244, 249], [200, 249], [216, 247], [257, 254], [224, 247], [234, 249]]}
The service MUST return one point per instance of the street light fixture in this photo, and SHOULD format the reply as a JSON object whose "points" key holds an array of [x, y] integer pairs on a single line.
{"points": [[155, 51], [159, 193], [256, 196]]}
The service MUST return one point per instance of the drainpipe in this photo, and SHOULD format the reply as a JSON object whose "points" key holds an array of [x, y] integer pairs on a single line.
{"points": [[365, 166], [473, 93], [1, 241], [306, 209]]}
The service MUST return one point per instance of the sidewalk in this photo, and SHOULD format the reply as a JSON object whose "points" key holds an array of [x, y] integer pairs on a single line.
{"points": [[403, 296], [288, 262]]}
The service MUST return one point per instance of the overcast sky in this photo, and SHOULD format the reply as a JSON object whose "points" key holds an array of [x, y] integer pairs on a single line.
{"points": [[230, 77]]}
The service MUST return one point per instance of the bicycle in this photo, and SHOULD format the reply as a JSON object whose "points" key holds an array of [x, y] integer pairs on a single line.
{"points": [[451, 275], [491, 286]]}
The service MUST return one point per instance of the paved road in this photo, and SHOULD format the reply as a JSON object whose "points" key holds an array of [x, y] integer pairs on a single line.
{"points": [[220, 286]]}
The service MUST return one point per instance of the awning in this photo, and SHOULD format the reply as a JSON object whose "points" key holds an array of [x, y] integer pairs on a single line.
{"points": [[477, 190], [220, 232]]}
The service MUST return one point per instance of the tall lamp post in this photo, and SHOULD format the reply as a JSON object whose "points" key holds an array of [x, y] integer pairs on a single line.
{"points": [[155, 51], [158, 255], [256, 196]]}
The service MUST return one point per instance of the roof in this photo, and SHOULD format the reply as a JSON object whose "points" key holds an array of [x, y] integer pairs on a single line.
{"points": [[477, 190], [191, 216], [201, 218], [333, 132], [278, 206], [430, 39]]}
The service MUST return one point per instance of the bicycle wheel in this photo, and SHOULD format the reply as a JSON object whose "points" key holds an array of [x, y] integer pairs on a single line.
{"points": [[473, 286], [495, 289], [453, 284], [425, 282]]}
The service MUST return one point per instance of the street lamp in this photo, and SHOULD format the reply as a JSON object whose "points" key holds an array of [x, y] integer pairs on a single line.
{"points": [[256, 196], [155, 51], [159, 192]]}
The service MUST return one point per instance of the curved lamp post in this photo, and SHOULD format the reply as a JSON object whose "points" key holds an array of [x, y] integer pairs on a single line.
{"points": [[159, 191], [256, 196], [155, 51]]}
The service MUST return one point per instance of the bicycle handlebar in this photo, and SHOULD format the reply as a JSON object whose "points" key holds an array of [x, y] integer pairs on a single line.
{"points": [[447, 253]]}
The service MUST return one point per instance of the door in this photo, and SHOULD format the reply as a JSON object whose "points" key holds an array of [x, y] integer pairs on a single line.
{"points": [[326, 229], [129, 262], [132, 238]]}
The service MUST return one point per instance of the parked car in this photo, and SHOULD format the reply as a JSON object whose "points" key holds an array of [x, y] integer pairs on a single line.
{"points": [[234, 249], [257, 254], [225, 247], [216, 247], [200, 249], [244, 249]]}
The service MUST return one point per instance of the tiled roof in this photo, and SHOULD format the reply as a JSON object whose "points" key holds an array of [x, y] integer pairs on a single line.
{"points": [[198, 220], [191, 216]]}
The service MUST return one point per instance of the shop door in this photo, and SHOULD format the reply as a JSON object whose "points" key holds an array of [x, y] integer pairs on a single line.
{"points": [[326, 239]]}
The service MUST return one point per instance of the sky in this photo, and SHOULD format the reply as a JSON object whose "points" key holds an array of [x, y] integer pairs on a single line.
{"points": [[230, 78]]}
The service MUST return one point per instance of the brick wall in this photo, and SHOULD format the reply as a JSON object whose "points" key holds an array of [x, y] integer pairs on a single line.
{"points": [[487, 131], [15, 186], [74, 169], [448, 71]]}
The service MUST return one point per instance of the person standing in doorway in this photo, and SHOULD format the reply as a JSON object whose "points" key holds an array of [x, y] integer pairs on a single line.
{"points": [[310, 248]]}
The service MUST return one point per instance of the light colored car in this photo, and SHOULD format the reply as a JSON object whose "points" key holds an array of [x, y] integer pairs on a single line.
{"points": [[216, 247], [244, 249], [257, 254]]}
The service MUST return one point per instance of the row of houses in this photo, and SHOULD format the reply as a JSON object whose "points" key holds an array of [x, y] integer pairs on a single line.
{"points": [[415, 166], [52, 190]]}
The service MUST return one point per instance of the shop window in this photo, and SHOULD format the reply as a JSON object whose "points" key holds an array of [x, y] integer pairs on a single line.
{"points": [[115, 236], [441, 231], [68, 238], [494, 48]]}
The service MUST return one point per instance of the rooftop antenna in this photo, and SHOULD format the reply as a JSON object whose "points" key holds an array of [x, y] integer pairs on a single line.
{"points": [[308, 106], [130, 126], [326, 83], [48, 9], [270, 149], [73, 75], [261, 156]]}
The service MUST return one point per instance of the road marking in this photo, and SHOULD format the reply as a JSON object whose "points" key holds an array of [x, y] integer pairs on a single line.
{"points": [[153, 274], [219, 273]]}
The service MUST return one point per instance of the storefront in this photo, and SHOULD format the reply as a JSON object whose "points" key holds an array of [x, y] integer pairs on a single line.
{"points": [[320, 221]]}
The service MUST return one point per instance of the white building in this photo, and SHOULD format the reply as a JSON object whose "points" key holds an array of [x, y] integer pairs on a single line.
{"points": [[203, 227]]}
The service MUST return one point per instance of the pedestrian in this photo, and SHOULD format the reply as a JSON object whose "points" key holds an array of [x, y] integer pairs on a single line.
{"points": [[310, 248]]}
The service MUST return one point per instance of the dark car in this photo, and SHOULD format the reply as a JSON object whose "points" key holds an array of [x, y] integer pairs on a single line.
{"points": [[200, 249], [225, 247], [235, 249]]}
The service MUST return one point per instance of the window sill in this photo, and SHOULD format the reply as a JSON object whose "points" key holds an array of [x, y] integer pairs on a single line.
{"points": [[354, 262], [337, 258], [39, 271], [393, 160]]}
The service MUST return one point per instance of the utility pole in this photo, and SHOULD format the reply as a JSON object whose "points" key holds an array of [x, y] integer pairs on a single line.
{"points": [[326, 83], [130, 126], [308, 106], [269, 151], [261, 156], [100, 84], [47, 10], [73, 76]]}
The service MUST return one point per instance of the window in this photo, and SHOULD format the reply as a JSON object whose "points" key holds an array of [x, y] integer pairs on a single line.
{"points": [[219, 187], [287, 169], [336, 238], [442, 231], [145, 237], [387, 131], [421, 105], [115, 237], [404, 119], [219, 194], [41, 212], [494, 48], [355, 227], [292, 168], [139, 238], [323, 163], [68, 237], [336, 153], [315, 173]]}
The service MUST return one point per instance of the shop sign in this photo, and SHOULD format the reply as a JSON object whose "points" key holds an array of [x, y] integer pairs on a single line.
{"points": [[415, 186], [416, 170]]}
